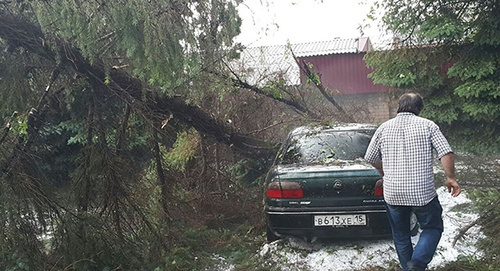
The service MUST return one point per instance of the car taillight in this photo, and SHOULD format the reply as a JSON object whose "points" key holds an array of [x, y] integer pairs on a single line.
{"points": [[379, 188], [284, 190]]}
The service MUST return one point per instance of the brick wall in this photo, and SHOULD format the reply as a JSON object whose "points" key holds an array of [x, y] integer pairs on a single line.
{"points": [[368, 107]]}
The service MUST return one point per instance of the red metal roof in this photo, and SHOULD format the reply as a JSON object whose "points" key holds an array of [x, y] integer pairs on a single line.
{"points": [[336, 46]]}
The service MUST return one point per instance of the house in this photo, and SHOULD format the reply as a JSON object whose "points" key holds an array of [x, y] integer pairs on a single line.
{"points": [[340, 64]]}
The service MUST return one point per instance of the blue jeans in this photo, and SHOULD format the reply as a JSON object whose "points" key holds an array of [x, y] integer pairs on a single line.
{"points": [[431, 223]]}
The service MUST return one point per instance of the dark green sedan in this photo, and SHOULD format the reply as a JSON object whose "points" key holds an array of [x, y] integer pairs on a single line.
{"points": [[320, 186]]}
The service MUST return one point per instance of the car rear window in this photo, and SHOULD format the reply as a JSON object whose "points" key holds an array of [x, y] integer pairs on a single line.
{"points": [[326, 147]]}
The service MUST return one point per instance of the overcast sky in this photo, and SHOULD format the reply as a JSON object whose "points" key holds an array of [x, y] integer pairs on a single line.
{"points": [[271, 22]]}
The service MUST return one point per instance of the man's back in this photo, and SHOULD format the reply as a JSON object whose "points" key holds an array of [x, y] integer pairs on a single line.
{"points": [[401, 151], [405, 144]]}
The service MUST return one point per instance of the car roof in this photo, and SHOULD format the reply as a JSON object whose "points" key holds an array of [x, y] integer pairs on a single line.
{"points": [[332, 128]]}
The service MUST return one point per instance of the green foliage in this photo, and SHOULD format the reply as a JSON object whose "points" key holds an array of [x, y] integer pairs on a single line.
{"points": [[460, 37], [19, 83], [407, 69], [474, 68], [250, 171], [471, 263], [19, 247], [165, 43], [22, 127], [185, 148], [275, 87], [77, 189], [487, 207], [73, 127], [431, 21], [442, 108], [443, 27], [314, 78]]}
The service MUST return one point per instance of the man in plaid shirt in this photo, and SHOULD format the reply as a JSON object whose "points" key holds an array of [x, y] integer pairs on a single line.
{"points": [[401, 150]]}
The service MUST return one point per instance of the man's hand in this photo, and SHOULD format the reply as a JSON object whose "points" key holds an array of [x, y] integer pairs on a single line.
{"points": [[453, 187], [448, 162], [378, 166]]}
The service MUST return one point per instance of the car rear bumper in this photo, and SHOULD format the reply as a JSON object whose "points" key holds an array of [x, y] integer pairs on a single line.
{"points": [[294, 222]]}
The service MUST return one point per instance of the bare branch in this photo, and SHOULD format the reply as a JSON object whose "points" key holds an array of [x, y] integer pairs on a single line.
{"points": [[464, 230], [53, 77], [120, 137], [238, 82], [270, 126], [316, 79], [162, 181], [296, 106]]}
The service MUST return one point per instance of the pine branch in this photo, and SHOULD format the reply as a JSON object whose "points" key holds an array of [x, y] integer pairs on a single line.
{"points": [[464, 230], [479, 220], [7, 127], [84, 201]]}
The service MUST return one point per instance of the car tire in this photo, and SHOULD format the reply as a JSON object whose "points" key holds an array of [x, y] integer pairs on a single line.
{"points": [[270, 235], [414, 226]]}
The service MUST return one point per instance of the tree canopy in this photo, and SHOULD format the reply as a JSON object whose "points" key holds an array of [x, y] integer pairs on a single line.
{"points": [[98, 98], [450, 52], [111, 115], [117, 132]]}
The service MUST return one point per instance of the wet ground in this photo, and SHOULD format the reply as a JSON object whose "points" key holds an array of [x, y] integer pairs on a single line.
{"points": [[296, 254]]}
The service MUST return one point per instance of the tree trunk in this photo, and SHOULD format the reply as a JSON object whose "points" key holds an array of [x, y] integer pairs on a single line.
{"points": [[162, 181]]}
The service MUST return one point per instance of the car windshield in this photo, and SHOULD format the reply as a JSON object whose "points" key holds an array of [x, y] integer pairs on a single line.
{"points": [[326, 147]]}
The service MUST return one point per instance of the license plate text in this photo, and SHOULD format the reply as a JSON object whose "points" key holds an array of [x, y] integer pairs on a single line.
{"points": [[340, 220]]}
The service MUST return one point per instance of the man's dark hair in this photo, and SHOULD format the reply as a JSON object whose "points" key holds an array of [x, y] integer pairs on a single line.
{"points": [[411, 102]]}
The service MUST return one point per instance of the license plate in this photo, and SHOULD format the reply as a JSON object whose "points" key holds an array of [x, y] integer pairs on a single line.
{"points": [[340, 220]]}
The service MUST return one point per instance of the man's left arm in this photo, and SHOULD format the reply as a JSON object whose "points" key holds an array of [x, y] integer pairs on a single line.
{"points": [[445, 154], [448, 162]]}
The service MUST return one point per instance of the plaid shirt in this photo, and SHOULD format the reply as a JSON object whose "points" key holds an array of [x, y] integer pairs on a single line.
{"points": [[405, 144]]}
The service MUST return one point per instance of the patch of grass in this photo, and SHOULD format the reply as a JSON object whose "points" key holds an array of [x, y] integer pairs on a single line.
{"points": [[393, 266], [471, 263], [331, 250], [241, 246], [487, 203], [359, 248], [199, 245]]}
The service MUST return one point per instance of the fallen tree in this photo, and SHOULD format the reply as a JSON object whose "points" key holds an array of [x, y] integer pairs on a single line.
{"points": [[84, 160], [18, 32]]}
